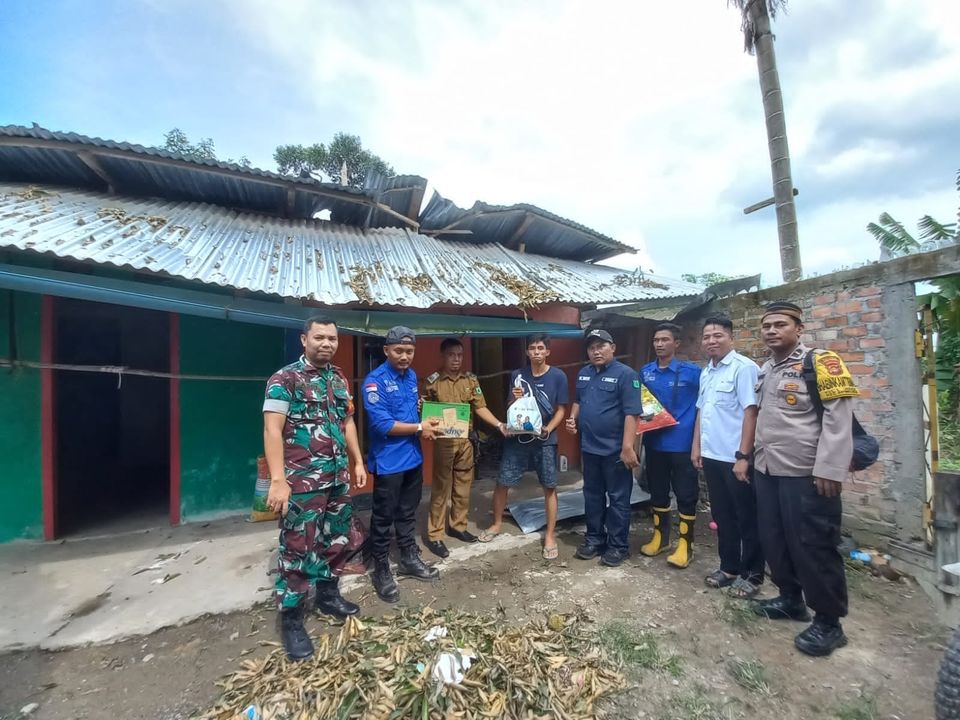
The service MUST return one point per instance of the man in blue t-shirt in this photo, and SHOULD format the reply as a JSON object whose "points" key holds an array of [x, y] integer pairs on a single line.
{"points": [[676, 385], [605, 413], [549, 387]]}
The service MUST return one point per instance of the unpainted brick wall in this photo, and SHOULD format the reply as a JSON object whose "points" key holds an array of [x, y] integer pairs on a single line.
{"points": [[849, 320]]}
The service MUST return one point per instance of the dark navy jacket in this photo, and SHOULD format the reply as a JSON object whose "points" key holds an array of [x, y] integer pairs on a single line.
{"points": [[606, 398]]}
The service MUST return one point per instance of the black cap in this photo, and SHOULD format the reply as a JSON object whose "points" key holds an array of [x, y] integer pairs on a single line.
{"points": [[400, 335], [598, 334], [781, 307]]}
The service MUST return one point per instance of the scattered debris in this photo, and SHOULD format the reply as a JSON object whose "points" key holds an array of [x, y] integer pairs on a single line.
{"points": [[359, 276], [166, 578], [385, 668], [418, 283], [32, 192], [530, 296], [29, 709], [147, 658]]}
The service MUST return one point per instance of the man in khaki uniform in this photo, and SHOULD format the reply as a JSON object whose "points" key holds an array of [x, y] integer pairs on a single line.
{"points": [[453, 457], [804, 448]]}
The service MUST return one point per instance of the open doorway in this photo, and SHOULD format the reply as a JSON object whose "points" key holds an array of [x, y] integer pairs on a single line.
{"points": [[112, 432]]}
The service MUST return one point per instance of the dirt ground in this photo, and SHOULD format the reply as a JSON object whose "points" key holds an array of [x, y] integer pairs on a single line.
{"points": [[690, 653]]}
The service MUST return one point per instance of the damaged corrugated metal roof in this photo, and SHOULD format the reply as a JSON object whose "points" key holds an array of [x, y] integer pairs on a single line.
{"points": [[537, 230], [66, 159], [305, 259]]}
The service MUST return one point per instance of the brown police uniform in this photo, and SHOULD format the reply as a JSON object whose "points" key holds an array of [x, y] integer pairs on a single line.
{"points": [[799, 528], [452, 457]]}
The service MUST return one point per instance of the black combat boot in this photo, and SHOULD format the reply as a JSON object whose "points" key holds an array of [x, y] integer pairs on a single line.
{"points": [[331, 602], [295, 639], [412, 565], [822, 637], [383, 581], [782, 608]]}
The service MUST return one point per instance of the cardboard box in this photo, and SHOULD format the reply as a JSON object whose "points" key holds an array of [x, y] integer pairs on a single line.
{"points": [[454, 418]]}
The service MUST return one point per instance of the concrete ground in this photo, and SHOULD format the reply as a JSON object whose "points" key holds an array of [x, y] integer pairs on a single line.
{"points": [[103, 589]]}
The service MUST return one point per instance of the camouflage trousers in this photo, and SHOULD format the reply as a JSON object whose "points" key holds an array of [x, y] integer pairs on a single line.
{"points": [[313, 536]]}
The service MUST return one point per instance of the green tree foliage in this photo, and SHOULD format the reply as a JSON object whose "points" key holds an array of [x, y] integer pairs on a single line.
{"points": [[706, 279], [343, 151], [176, 141]]}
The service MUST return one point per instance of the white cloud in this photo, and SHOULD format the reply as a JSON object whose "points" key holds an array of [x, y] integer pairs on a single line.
{"points": [[627, 117]]}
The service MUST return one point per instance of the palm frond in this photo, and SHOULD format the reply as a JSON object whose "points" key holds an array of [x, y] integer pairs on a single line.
{"points": [[930, 229], [892, 236], [772, 7]]}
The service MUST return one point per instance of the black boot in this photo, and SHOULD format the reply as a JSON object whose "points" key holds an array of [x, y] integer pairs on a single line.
{"points": [[412, 565], [383, 581], [295, 639], [331, 602], [782, 608], [821, 638]]}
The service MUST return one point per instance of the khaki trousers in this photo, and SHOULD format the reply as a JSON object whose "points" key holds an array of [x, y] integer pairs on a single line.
{"points": [[452, 478]]}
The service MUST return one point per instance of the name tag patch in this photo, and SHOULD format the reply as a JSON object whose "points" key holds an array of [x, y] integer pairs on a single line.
{"points": [[609, 379], [584, 378]]}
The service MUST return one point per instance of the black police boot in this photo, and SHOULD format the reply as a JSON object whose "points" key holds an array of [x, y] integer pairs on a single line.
{"points": [[331, 602], [822, 637], [782, 608], [586, 551], [412, 565], [383, 581], [296, 642]]}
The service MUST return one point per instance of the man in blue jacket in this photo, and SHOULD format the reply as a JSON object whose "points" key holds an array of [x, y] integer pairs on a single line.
{"points": [[605, 412], [390, 398], [675, 384]]}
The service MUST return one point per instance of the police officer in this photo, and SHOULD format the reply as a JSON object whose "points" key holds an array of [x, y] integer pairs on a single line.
{"points": [[453, 457], [605, 411], [391, 401], [675, 384], [802, 460], [310, 442]]}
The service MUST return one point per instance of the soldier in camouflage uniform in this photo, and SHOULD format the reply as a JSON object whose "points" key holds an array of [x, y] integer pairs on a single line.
{"points": [[310, 442], [453, 463]]}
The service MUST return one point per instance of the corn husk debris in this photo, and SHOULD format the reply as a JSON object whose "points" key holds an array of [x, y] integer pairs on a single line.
{"points": [[382, 669]]}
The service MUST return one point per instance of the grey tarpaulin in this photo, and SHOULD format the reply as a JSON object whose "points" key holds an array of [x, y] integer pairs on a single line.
{"points": [[530, 516]]}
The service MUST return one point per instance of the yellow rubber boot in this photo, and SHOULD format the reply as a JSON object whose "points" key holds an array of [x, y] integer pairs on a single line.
{"points": [[660, 541], [683, 555]]}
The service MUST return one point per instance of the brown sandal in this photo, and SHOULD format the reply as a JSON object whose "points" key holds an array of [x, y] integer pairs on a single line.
{"points": [[719, 579]]}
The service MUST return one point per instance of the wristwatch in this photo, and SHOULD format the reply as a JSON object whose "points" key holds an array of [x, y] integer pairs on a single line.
{"points": [[419, 428], [742, 456]]}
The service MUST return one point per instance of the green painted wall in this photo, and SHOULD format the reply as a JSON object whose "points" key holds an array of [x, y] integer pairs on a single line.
{"points": [[221, 425], [21, 498]]}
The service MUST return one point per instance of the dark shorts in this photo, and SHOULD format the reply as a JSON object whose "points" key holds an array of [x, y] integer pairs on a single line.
{"points": [[520, 457]]}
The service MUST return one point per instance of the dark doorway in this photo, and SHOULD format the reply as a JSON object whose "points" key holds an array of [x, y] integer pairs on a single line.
{"points": [[112, 432]]}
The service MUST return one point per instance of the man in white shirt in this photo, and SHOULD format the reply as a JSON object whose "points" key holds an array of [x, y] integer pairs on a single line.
{"points": [[723, 447]]}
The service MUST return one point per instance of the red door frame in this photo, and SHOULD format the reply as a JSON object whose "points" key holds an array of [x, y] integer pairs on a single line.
{"points": [[48, 424], [174, 419]]}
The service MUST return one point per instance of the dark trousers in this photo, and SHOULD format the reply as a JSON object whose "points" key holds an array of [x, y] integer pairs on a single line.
{"points": [[800, 531], [605, 476], [666, 470], [734, 508], [395, 501]]}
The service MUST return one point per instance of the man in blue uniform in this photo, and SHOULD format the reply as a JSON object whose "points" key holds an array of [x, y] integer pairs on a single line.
{"points": [[390, 399], [606, 409], [676, 385]]}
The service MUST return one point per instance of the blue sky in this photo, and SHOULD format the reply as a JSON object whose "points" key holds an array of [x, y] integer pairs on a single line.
{"points": [[608, 113]]}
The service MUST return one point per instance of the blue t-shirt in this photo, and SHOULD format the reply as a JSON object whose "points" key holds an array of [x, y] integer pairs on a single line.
{"points": [[660, 381], [550, 391], [606, 396], [390, 396]]}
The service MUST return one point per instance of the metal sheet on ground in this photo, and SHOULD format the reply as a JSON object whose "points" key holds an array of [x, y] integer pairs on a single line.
{"points": [[530, 516]]}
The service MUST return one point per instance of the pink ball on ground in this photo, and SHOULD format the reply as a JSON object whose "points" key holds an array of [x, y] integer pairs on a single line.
{"points": [[713, 525]]}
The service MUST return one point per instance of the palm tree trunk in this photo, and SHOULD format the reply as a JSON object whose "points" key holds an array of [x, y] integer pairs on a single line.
{"points": [[777, 142]]}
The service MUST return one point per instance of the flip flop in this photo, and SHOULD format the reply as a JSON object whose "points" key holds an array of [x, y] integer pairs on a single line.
{"points": [[719, 579], [486, 536], [551, 553], [743, 589]]}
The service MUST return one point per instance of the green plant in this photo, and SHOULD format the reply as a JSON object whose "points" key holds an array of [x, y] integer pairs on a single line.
{"points": [[740, 615], [863, 708], [638, 649], [694, 705], [750, 675]]}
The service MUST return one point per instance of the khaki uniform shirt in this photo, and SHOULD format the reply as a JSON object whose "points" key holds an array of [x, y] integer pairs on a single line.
{"points": [[462, 388], [791, 440]]}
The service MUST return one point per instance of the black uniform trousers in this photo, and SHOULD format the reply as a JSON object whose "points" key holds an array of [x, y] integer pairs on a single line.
{"points": [[396, 498], [667, 470], [800, 532], [734, 508]]}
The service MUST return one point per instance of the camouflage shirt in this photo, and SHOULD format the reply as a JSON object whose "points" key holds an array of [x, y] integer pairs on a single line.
{"points": [[316, 402]]}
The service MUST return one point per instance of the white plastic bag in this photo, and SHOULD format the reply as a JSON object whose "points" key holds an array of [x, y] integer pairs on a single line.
{"points": [[523, 416]]}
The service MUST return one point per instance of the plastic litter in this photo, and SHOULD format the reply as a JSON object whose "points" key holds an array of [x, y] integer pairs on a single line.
{"points": [[450, 668]]}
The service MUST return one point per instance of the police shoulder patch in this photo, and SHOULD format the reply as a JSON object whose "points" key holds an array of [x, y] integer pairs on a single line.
{"points": [[433, 378], [636, 383], [833, 378]]}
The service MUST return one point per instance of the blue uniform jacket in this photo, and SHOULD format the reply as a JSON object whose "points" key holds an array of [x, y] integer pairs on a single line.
{"points": [[660, 381], [606, 397], [388, 397]]}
